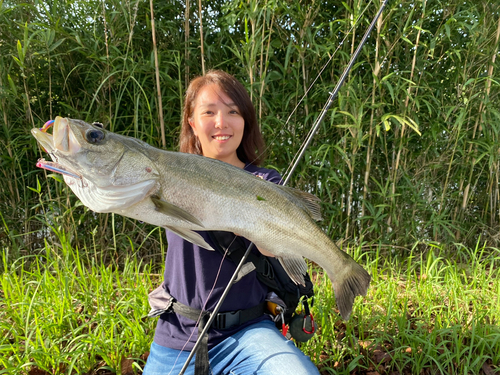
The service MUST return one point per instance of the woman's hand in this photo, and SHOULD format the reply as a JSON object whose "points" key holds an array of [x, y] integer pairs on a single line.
{"points": [[266, 253], [262, 251]]}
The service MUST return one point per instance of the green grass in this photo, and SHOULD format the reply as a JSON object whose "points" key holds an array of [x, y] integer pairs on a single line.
{"points": [[424, 314], [65, 312]]}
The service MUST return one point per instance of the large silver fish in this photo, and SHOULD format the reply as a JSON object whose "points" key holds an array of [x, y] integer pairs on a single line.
{"points": [[186, 193]]}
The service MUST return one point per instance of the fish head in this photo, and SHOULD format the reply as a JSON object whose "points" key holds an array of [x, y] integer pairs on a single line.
{"points": [[113, 169]]}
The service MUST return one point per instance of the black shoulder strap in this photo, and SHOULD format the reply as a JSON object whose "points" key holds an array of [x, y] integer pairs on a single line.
{"points": [[234, 247], [269, 270]]}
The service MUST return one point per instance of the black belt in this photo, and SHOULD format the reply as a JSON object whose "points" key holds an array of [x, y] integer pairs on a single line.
{"points": [[222, 321]]}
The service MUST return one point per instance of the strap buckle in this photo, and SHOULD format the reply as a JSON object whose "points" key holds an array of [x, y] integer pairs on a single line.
{"points": [[227, 320], [267, 269]]}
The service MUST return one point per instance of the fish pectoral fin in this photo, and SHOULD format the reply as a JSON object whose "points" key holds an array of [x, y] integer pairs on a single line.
{"points": [[171, 210], [191, 236], [295, 267]]}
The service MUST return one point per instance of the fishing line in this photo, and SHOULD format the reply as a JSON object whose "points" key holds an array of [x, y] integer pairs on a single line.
{"points": [[311, 86], [203, 308], [333, 95], [291, 167], [326, 64]]}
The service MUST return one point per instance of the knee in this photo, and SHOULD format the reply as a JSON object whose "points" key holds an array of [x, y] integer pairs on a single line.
{"points": [[286, 363], [286, 359]]}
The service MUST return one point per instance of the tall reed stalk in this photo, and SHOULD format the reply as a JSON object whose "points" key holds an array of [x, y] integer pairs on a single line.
{"points": [[408, 153]]}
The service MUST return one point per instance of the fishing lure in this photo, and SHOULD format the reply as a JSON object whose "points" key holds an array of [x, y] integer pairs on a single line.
{"points": [[54, 167], [46, 126], [50, 166]]}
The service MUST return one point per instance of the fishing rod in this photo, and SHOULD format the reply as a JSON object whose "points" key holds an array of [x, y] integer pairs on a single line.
{"points": [[334, 93], [314, 129]]}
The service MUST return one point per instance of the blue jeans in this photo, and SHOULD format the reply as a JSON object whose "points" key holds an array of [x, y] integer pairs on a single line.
{"points": [[257, 349]]}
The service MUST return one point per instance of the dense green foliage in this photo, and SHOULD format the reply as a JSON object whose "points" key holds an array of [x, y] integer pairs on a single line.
{"points": [[409, 152]]}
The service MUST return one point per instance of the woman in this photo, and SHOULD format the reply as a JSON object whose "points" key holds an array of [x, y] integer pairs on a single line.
{"points": [[219, 122]]}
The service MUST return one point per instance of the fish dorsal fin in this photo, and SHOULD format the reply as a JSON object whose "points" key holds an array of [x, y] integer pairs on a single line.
{"points": [[190, 236], [172, 210], [295, 267], [309, 202]]}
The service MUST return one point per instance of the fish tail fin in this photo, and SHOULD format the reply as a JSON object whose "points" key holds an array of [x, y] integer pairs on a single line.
{"points": [[355, 284]]}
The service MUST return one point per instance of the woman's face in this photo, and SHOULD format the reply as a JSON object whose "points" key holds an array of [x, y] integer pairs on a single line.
{"points": [[218, 124]]}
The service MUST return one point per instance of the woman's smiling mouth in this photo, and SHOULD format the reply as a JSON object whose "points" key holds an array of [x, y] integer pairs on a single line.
{"points": [[221, 137]]}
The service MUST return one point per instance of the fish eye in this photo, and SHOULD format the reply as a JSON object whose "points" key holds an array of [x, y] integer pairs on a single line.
{"points": [[98, 124], [94, 136]]}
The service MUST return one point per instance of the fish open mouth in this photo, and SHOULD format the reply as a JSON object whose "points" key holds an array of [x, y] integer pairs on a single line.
{"points": [[61, 141], [44, 139]]}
